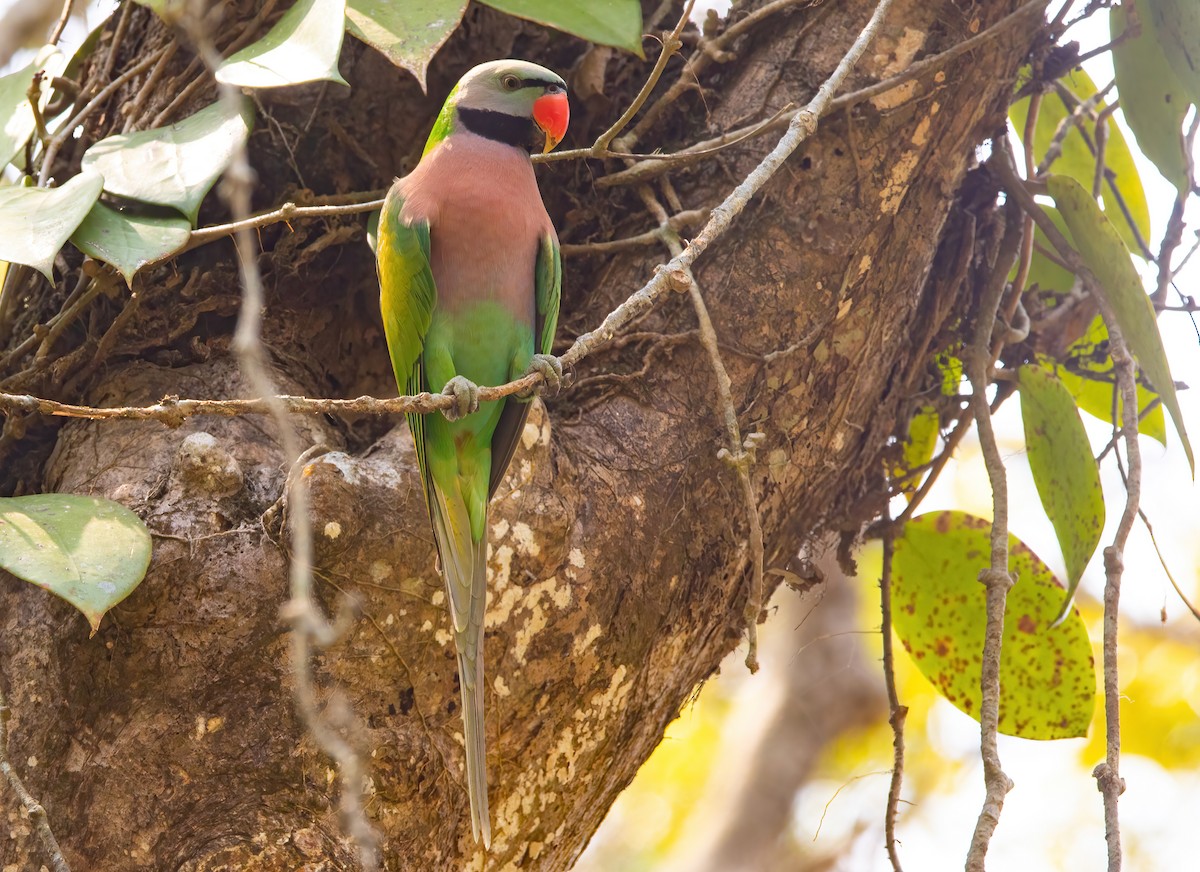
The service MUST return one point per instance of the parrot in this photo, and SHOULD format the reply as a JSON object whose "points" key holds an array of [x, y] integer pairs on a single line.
{"points": [[470, 277]]}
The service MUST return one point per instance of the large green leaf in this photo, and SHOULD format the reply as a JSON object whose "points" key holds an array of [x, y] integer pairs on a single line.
{"points": [[1177, 27], [1086, 371], [1152, 98], [607, 22], [1047, 679], [409, 34], [303, 46], [1106, 256], [35, 222], [16, 112], [129, 241], [1066, 475], [91, 552], [176, 165], [1077, 160]]}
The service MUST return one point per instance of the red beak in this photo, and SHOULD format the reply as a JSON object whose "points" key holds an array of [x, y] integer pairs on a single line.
{"points": [[552, 113]]}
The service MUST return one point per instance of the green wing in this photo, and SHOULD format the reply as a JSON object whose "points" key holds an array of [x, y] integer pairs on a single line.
{"points": [[406, 298], [406, 290], [547, 277]]}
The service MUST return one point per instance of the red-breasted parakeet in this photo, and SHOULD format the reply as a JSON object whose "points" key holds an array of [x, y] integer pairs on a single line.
{"points": [[469, 273]]}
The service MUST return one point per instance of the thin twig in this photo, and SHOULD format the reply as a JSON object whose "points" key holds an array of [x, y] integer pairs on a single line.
{"points": [[676, 222], [670, 46], [1108, 774], [35, 810], [61, 24], [286, 212], [996, 579], [896, 713]]}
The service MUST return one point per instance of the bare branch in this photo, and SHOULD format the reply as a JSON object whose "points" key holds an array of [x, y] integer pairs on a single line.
{"points": [[1108, 774], [897, 713], [997, 578]]}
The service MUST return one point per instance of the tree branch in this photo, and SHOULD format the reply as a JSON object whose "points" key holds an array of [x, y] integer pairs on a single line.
{"points": [[997, 579]]}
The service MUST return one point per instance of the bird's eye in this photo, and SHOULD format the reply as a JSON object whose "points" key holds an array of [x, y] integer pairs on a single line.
{"points": [[510, 83]]}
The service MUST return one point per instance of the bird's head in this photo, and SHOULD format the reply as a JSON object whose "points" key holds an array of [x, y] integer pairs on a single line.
{"points": [[515, 102]]}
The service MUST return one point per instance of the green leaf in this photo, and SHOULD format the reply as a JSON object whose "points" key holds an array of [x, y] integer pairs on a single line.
{"points": [[129, 241], [16, 112], [1047, 679], [1106, 256], [303, 46], [1087, 372], [408, 34], [606, 22], [1066, 476], [918, 448], [1152, 98], [173, 166], [35, 222], [91, 552], [1077, 159], [1045, 273], [1177, 27]]}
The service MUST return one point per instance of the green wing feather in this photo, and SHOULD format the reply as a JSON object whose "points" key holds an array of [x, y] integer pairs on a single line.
{"points": [[407, 296], [548, 281], [547, 277]]}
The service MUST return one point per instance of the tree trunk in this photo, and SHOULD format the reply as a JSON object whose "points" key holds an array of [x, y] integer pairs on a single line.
{"points": [[618, 564]]}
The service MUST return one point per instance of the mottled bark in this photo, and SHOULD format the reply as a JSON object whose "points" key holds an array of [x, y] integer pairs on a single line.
{"points": [[618, 564]]}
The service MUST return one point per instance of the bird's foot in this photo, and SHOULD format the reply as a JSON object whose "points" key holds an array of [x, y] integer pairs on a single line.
{"points": [[552, 372], [466, 397]]}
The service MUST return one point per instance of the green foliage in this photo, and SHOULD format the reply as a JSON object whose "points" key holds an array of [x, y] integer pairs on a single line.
{"points": [[1066, 477], [1152, 97], [127, 240], [1107, 258], [1047, 680], [16, 112], [89, 551], [1045, 273], [173, 166], [408, 34], [303, 46], [36, 222], [1077, 159], [606, 22], [1176, 25], [1087, 372]]}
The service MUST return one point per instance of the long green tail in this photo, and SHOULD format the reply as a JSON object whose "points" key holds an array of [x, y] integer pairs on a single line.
{"points": [[464, 566]]}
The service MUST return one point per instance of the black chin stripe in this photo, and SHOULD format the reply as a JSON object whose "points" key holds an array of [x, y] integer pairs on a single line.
{"points": [[509, 129]]}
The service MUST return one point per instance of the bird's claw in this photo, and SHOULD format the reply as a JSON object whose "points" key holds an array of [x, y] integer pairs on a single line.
{"points": [[552, 372], [466, 397]]}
